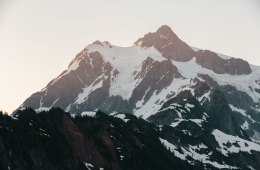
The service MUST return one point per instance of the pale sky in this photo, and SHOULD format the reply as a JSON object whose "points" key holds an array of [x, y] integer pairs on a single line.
{"points": [[38, 38]]}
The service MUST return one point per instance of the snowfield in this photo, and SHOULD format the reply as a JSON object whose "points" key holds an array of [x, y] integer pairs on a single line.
{"points": [[191, 152]]}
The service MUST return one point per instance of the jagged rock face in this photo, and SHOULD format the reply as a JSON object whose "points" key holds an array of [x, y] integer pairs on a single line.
{"points": [[65, 88], [221, 115], [212, 61], [155, 77], [168, 43], [183, 106]]}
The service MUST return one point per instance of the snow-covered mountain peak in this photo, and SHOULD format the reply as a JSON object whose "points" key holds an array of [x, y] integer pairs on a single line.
{"points": [[167, 43], [163, 34], [141, 79]]}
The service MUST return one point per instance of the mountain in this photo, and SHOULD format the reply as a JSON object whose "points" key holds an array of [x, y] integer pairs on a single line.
{"points": [[143, 78], [95, 140], [163, 80]]}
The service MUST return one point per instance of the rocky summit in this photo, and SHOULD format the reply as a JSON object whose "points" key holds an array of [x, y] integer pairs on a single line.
{"points": [[191, 92]]}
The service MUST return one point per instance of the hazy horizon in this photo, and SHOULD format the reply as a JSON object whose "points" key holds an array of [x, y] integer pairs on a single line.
{"points": [[40, 38]]}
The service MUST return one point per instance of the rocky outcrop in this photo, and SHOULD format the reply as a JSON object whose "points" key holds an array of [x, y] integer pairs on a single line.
{"points": [[183, 106], [168, 43], [222, 117], [212, 61], [155, 76], [63, 90]]}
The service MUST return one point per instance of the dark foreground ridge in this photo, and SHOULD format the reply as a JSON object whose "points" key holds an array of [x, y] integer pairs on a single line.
{"points": [[57, 140]]}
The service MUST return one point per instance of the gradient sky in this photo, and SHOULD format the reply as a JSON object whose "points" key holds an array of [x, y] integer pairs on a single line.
{"points": [[38, 38]]}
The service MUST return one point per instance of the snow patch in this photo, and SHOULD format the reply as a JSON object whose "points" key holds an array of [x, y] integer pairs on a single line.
{"points": [[121, 116], [197, 121], [237, 144], [203, 98], [88, 165], [191, 152], [243, 112], [174, 124], [245, 126], [190, 105], [42, 109], [153, 105], [88, 113], [87, 90]]}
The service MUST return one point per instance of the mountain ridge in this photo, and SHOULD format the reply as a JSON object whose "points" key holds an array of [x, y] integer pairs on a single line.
{"points": [[56, 139]]}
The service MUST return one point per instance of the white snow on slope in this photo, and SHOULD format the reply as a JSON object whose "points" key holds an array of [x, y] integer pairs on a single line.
{"points": [[189, 105], [155, 102], [204, 97], [174, 124], [191, 152], [73, 67], [243, 112], [41, 109], [179, 109], [197, 121], [88, 113], [38, 110], [121, 116], [88, 166], [245, 125], [233, 108], [83, 96], [127, 60], [190, 70], [237, 144], [243, 83]]}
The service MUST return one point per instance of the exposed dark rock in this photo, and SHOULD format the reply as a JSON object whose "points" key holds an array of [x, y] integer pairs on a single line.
{"points": [[64, 91], [155, 77], [257, 90], [212, 61], [200, 88], [221, 116], [209, 80], [237, 98], [168, 43], [182, 102]]}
